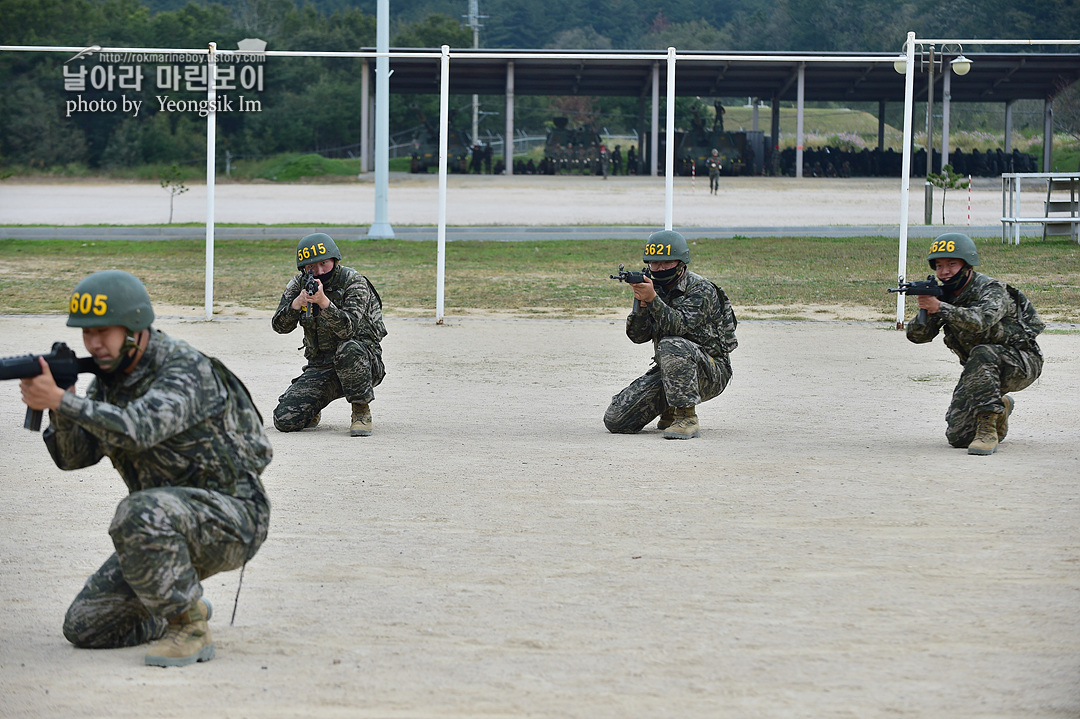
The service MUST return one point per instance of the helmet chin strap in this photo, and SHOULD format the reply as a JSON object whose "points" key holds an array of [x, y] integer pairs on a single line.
{"points": [[129, 352]]}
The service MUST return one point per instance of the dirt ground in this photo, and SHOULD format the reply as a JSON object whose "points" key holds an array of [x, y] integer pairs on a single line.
{"points": [[491, 551], [820, 551]]}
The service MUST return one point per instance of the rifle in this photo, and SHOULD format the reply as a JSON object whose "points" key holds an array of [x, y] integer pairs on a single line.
{"points": [[311, 286], [630, 277], [63, 364], [929, 286]]}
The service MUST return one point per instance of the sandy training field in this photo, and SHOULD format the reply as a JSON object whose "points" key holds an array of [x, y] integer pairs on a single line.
{"points": [[491, 551]]}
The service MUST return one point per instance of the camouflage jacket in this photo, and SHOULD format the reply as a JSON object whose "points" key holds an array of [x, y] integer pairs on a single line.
{"points": [[179, 419], [695, 309], [355, 313], [985, 312]]}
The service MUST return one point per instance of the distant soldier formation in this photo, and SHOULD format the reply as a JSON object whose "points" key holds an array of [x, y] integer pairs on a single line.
{"points": [[834, 162]]}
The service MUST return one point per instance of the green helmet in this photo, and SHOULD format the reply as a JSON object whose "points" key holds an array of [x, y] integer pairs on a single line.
{"points": [[316, 248], [666, 245], [954, 245], [110, 298]]}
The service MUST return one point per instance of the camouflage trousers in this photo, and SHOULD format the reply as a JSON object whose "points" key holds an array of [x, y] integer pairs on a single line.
{"points": [[166, 540], [684, 376], [714, 182], [355, 372], [990, 371]]}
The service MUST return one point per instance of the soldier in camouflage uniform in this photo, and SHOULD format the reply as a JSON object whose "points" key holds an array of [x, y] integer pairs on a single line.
{"points": [[343, 328], [714, 165], [991, 327], [691, 324], [189, 443]]}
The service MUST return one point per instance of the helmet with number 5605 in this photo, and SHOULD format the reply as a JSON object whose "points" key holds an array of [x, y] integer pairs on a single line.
{"points": [[955, 245], [314, 248], [110, 298], [666, 245]]}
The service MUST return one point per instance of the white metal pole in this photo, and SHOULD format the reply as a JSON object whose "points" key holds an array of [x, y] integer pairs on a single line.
{"points": [[444, 121], [211, 152], [365, 117], [905, 177], [380, 228], [669, 143], [654, 132]]}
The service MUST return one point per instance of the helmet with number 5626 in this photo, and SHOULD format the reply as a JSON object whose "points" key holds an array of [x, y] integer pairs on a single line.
{"points": [[314, 248], [955, 245], [666, 245], [110, 298]]}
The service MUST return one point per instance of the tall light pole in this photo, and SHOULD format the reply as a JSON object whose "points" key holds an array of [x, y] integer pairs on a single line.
{"points": [[960, 65], [474, 23], [380, 229]]}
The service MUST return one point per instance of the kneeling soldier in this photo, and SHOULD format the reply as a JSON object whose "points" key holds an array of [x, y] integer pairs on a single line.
{"points": [[691, 324], [991, 327], [341, 314], [189, 443]]}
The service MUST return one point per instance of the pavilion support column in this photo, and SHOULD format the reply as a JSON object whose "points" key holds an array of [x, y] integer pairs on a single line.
{"points": [[1048, 135], [774, 129], [881, 125], [508, 141], [799, 122]]}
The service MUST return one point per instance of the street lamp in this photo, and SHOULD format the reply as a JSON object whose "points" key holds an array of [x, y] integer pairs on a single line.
{"points": [[961, 66]]}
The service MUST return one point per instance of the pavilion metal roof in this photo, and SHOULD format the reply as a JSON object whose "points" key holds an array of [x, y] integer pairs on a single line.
{"points": [[994, 77]]}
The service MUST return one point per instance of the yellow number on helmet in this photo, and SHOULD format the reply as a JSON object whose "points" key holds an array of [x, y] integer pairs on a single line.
{"points": [[100, 307], [74, 303], [322, 249], [951, 246], [84, 303]]}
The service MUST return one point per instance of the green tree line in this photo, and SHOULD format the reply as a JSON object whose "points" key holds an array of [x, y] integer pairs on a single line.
{"points": [[311, 104]]}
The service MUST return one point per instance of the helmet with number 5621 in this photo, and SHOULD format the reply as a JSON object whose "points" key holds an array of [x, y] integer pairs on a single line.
{"points": [[314, 248], [110, 298], [666, 245]]}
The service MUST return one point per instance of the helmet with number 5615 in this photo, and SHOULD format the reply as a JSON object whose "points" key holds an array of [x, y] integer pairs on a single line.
{"points": [[314, 248], [110, 298]]}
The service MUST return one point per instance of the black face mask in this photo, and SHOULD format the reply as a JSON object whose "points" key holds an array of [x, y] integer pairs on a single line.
{"points": [[326, 278], [952, 285], [665, 277]]}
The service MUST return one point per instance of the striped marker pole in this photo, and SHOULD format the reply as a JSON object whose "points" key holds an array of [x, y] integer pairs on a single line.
{"points": [[969, 200]]}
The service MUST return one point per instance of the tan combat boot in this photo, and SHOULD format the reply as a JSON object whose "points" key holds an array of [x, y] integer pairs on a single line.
{"points": [[986, 438], [685, 425], [361, 420], [666, 419], [1003, 419], [186, 641]]}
